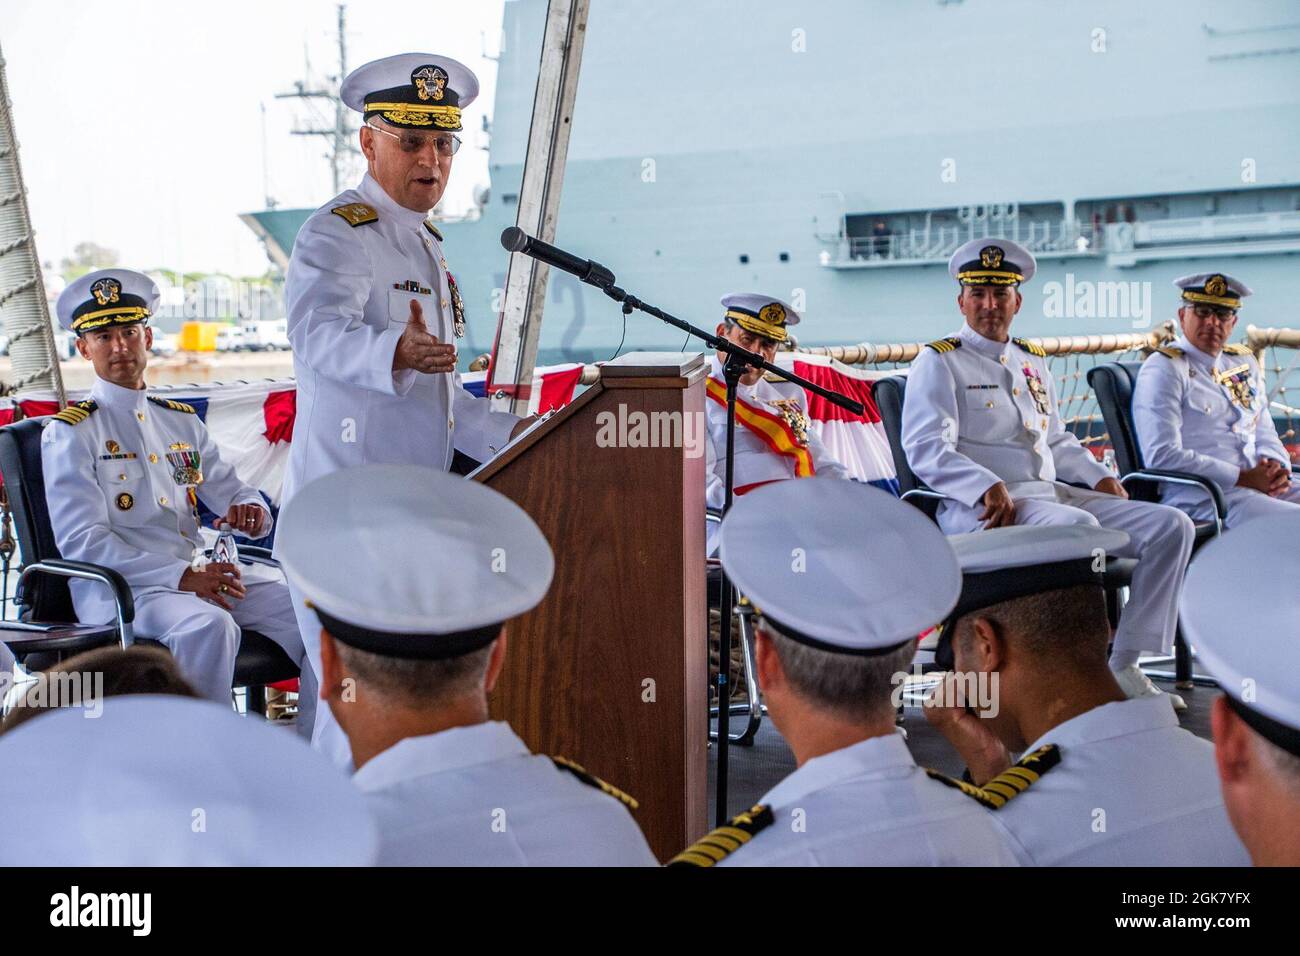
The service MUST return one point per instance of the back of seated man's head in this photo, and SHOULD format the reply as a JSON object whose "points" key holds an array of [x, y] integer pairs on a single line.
{"points": [[1052, 643], [84, 679], [850, 688], [415, 683]]}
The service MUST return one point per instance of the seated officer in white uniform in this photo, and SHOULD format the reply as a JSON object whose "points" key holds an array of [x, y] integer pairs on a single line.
{"points": [[413, 641], [1257, 720], [1201, 406], [1104, 780], [373, 310], [160, 780], [124, 472], [845, 578], [982, 424], [773, 438]]}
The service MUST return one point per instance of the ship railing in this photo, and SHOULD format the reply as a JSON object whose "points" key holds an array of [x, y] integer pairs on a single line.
{"points": [[937, 243], [1070, 357], [1278, 352]]}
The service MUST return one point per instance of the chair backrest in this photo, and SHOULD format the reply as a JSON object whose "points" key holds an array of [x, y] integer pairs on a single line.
{"points": [[47, 597], [889, 394], [1112, 383]]}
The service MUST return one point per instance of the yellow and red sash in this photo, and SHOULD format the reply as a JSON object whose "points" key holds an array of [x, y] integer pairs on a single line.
{"points": [[772, 429]]}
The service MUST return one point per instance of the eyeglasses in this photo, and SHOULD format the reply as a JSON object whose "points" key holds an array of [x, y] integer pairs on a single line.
{"points": [[1206, 312], [412, 142]]}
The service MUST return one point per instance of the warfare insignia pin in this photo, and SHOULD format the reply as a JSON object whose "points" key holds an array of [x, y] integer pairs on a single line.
{"points": [[1216, 285], [991, 257], [125, 502], [429, 82], [106, 291], [112, 447]]}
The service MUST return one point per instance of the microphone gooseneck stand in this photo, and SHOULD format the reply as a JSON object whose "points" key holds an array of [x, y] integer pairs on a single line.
{"points": [[739, 360]]}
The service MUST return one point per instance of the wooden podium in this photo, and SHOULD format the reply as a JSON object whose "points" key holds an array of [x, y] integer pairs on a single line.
{"points": [[610, 670]]}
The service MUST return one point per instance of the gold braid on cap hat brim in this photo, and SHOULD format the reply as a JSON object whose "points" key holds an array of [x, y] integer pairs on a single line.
{"points": [[417, 114], [1223, 300], [95, 320], [747, 322], [989, 277]]}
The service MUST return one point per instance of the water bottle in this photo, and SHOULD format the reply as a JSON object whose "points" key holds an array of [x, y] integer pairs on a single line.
{"points": [[225, 551], [1108, 459]]}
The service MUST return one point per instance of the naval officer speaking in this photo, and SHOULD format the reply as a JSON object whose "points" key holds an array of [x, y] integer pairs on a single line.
{"points": [[374, 312]]}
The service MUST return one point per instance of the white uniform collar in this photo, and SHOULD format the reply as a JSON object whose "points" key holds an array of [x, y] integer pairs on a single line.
{"points": [[108, 395], [742, 390], [873, 756], [452, 749], [980, 344], [1117, 719], [374, 194], [1184, 343]]}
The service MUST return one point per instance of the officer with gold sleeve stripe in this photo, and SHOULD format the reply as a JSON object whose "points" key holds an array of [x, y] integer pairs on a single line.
{"points": [[845, 576]]}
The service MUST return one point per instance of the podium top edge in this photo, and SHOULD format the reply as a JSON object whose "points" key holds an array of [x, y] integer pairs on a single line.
{"points": [[653, 364]]}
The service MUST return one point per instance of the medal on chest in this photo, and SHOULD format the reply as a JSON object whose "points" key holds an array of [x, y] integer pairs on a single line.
{"points": [[788, 408], [186, 464], [1237, 380], [1037, 390], [457, 306]]}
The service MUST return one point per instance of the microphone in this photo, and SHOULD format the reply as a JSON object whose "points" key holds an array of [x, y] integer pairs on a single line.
{"points": [[515, 239]]}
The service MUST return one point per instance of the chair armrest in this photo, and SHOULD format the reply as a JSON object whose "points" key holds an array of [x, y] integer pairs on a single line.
{"points": [[1167, 476], [85, 571], [713, 514]]}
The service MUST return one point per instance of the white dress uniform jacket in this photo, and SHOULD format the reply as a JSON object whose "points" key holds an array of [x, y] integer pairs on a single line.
{"points": [[476, 796], [1208, 416], [1132, 789], [982, 411], [869, 804], [114, 499], [754, 461], [345, 317]]}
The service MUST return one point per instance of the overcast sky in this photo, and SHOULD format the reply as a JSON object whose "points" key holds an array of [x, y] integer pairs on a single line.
{"points": [[140, 121]]}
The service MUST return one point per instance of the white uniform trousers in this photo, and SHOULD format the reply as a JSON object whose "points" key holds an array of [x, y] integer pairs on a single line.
{"points": [[1246, 504], [1160, 537], [204, 638]]}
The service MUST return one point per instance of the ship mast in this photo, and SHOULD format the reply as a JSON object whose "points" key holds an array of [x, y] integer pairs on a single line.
{"points": [[341, 135]]}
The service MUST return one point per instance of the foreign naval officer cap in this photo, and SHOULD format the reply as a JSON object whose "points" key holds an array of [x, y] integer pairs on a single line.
{"points": [[1213, 288], [1255, 566], [992, 262], [131, 786], [1002, 564], [761, 314], [107, 297], [406, 561], [412, 91], [838, 565]]}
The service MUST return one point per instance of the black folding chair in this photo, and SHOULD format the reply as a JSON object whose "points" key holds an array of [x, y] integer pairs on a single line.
{"points": [[1113, 383], [753, 710], [48, 630]]}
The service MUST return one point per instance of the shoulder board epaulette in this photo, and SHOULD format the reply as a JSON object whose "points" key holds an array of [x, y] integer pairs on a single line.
{"points": [[76, 413], [726, 840], [1238, 350], [356, 213], [591, 780], [773, 378], [433, 229], [1009, 783], [944, 345], [1169, 351], [1031, 347], [174, 406]]}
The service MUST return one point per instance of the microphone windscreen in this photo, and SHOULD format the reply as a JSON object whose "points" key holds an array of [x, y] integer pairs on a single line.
{"points": [[514, 239]]}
